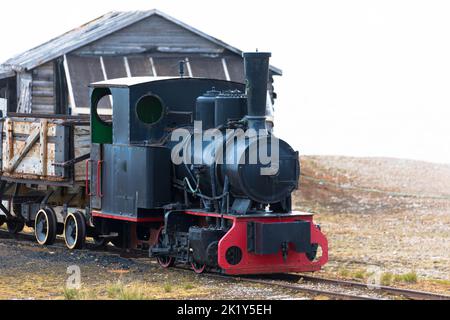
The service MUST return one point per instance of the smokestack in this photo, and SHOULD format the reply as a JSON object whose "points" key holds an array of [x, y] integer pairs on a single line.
{"points": [[256, 66]]}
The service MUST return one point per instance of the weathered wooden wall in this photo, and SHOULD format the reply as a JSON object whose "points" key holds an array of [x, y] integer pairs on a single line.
{"points": [[43, 89]]}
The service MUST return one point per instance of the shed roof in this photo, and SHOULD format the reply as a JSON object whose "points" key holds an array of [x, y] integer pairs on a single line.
{"points": [[92, 31]]}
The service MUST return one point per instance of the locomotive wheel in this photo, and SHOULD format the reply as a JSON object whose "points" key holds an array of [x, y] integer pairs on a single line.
{"points": [[311, 255], [75, 230], [2, 220], [164, 261], [100, 242], [198, 268], [118, 241], [45, 226], [15, 226]]}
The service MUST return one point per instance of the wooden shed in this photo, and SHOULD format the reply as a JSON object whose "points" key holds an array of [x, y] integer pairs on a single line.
{"points": [[53, 78]]}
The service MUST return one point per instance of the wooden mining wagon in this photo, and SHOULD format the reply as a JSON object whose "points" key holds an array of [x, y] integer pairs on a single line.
{"points": [[43, 169]]}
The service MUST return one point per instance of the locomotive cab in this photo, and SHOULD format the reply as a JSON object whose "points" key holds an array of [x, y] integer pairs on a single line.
{"points": [[130, 165]]}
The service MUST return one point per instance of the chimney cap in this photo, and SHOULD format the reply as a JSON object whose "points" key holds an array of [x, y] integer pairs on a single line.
{"points": [[257, 54]]}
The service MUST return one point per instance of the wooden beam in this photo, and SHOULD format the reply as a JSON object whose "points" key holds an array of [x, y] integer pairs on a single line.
{"points": [[69, 85], [24, 103], [43, 146], [152, 64], [9, 140], [225, 69], [127, 66], [29, 143], [188, 66]]}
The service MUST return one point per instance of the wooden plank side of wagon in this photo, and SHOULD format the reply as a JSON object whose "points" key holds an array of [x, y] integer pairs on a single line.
{"points": [[26, 150], [82, 146], [30, 148], [22, 152]]}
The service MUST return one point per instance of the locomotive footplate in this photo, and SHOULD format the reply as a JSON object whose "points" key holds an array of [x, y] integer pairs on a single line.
{"points": [[270, 243]]}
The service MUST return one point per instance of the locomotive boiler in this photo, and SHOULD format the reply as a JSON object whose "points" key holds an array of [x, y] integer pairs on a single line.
{"points": [[186, 168]]}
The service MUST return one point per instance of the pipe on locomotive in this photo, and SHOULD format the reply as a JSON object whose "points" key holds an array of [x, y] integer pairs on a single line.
{"points": [[256, 65]]}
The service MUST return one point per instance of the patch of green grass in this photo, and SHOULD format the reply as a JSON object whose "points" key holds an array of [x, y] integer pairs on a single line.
{"points": [[359, 274], [189, 286], [71, 294], [167, 288], [115, 290], [410, 277], [386, 278], [344, 273], [132, 293], [120, 292], [441, 281]]}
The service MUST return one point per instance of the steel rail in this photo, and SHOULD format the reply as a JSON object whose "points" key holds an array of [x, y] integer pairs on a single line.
{"points": [[408, 293], [293, 287]]}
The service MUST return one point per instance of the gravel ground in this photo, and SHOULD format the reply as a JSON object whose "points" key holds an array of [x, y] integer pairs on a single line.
{"points": [[29, 271]]}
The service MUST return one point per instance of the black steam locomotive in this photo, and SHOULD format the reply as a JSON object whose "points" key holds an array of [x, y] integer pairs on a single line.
{"points": [[187, 168]]}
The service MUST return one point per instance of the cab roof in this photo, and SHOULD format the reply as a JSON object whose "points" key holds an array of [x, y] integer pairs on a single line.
{"points": [[128, 82]]}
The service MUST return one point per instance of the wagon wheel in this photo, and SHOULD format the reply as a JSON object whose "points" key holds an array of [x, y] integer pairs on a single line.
{"points": [[15, 226], [164, 261], [45, 226], [198, 267], [75, 230], [17, 209]]}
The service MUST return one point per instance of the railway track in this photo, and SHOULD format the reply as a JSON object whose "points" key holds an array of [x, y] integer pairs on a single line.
{"points": [[336, 288], [406, 293], [300, 283], [297, 288]]}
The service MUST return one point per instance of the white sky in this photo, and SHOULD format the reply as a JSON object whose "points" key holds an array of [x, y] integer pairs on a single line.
{"points": [[362, 78]]}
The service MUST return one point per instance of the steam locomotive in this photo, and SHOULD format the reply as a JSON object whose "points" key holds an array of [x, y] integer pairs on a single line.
{"points": [[186, 168]]}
